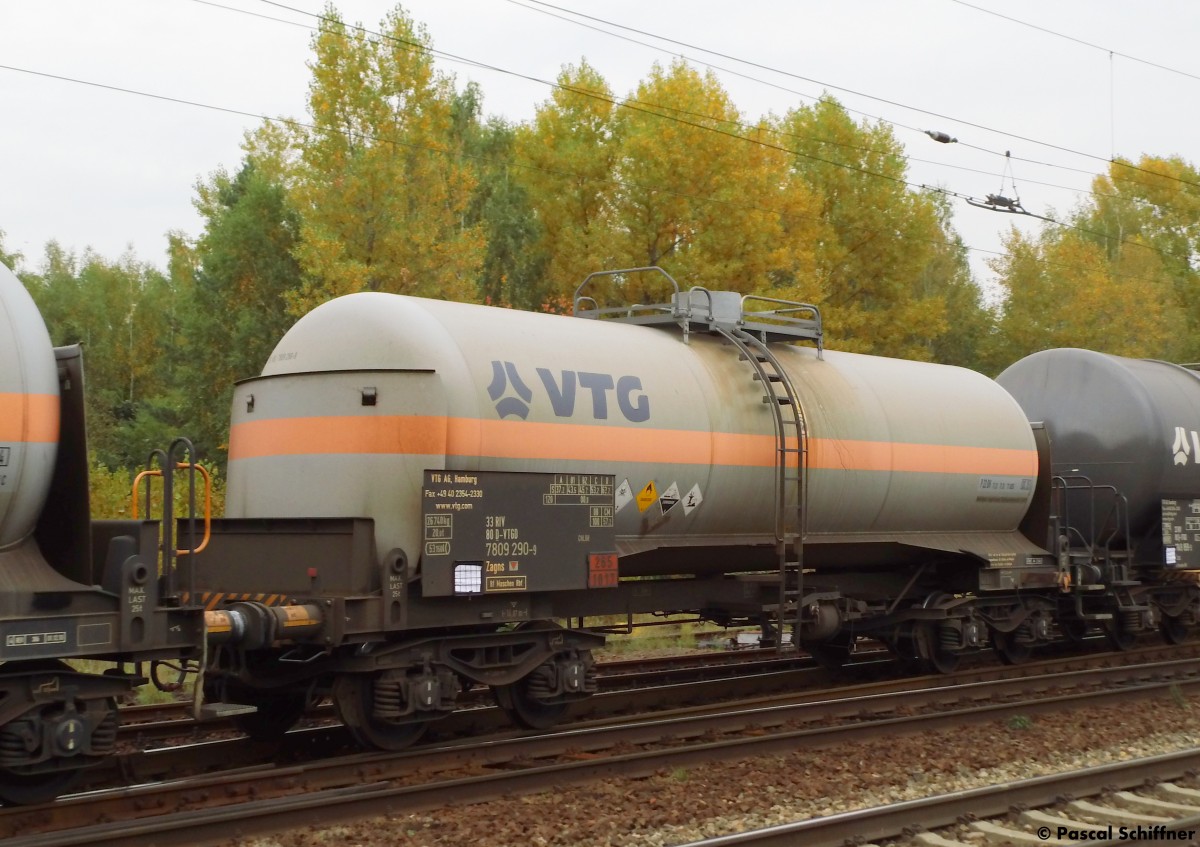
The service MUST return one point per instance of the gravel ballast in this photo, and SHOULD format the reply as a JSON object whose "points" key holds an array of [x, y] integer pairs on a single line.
{"points": [[677, 806]]}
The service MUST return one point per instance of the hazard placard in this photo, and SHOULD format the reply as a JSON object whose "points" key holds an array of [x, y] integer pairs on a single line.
{"points": [[669, 498], [623, 496], [646, 496]]}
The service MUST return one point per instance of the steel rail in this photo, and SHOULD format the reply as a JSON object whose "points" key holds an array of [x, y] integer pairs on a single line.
{"points": [[333, 799], [765, 690]]}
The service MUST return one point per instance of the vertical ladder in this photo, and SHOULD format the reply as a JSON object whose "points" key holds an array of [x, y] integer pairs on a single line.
{"points": [[791, 445]]}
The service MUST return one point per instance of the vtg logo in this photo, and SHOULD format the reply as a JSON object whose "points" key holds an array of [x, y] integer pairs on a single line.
{"points": [[632, 402], [1185, 445]]}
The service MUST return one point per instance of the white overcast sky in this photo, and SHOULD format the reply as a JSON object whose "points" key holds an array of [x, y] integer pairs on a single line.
{"points": [[113, 171]]}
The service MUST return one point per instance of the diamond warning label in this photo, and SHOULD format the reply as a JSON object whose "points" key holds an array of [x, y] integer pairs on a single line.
{"points": [[624, 495], [669, 498], [646, 496]]}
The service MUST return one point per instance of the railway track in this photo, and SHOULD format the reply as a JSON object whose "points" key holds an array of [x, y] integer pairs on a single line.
{"points": [[267, 798], [753, 671], [1152, 800], [627, 688], [149, 759]]}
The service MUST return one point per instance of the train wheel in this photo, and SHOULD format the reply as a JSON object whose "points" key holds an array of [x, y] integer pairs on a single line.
{"points": [[932, 655], [354, 699], [277, 713], [832, 654], [1073, 630], [526, 710], [1119, 637], [1174, 630], [20, 789], [1010, 651]]}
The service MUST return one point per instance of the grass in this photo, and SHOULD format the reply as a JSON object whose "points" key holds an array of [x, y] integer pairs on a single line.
{"points": [[671, 637], [146, 694], [1020, 722]]}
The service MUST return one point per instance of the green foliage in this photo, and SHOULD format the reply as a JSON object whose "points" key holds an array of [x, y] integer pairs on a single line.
{"points": [[1119, 277], [236, 281], [970, 324], [1019, 723], [143, 695], [124, 314], [111, 492], [513, 270], [11, 260], [1062, 290]]}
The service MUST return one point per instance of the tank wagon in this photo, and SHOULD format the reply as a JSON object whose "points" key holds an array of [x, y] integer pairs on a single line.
{"points": [[470, 476], [70, 588], [425, 497], [1125, 518]]}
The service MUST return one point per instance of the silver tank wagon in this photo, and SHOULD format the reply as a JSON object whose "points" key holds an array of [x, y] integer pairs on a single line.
{"points": [[397, 462], [368, 391], [29, 411]]}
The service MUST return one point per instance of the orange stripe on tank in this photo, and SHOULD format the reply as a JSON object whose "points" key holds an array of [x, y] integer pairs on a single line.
{"points": [[472, 437], [333, 434], [580, 442], [837, 454], [29, 418]]}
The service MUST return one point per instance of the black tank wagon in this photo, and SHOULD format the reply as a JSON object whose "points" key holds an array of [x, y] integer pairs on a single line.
{"points": [[1126, 484]]}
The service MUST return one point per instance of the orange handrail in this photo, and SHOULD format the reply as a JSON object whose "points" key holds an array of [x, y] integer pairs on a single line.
{"points": [[137, 481]]}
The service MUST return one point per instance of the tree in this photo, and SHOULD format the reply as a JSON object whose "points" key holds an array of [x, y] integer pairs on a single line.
{"points": [[1062, 290], [123, 314], [882, 242], [513, 268], [10, 260], [971, 325], [566, 160], [376, 176], [237, 279], [1148, 214], [1117, 276], [701, 191]]}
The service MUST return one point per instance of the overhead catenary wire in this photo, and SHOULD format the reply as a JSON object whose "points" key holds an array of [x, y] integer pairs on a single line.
{"points": [[634, 105], [818, 99], [956, 244], [291, 122], [855, 92], [1063, 35]]}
